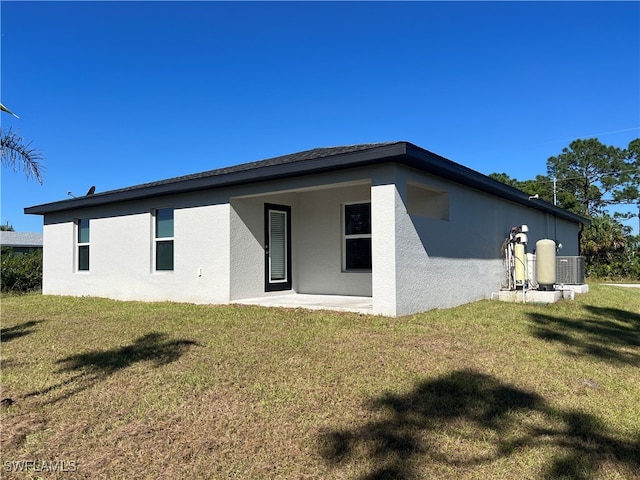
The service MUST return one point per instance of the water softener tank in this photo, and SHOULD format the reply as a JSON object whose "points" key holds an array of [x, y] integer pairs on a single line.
{"points": [[520, 260], [545, 264]]}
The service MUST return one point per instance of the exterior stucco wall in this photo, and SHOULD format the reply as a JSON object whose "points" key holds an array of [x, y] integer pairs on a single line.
{"points": [[478, 222], [444, 263], [218, 244], [121, 253], [384, 211], [57, 255], [318, 237]]}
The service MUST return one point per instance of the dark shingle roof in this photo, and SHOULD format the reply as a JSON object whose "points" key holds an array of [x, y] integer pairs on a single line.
{"points": [[313, 154], [306, 163]]}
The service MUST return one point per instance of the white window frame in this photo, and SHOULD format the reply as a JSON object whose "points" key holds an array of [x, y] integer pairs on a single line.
{"points": [[82, 244], [156, 239], [346, 237]]}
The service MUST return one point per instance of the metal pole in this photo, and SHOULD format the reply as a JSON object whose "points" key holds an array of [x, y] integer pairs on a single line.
{"points": [[555, 197]]}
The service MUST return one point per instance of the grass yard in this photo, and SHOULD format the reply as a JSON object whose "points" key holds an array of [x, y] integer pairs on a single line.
{"points": [[126, 390]]}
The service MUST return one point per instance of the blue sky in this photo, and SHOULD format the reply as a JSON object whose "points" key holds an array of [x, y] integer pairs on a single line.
{"points": [[121, 93]]}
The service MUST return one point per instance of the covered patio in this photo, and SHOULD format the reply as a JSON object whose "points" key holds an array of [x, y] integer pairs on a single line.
{"points": [[306, 246]]}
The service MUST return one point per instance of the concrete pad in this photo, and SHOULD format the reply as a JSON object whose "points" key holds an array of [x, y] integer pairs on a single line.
{"points": [[567, 292], [340, 303], [530, 296], [625, 285]]}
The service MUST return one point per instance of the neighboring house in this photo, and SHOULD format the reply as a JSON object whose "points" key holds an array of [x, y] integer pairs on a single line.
{"points": [[20, 242], [408, 229]]}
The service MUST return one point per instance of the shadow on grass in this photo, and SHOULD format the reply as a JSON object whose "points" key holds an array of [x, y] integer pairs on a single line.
{"points": [[154, 347], [17, 331], [609, 334], [467, 419], [94, 366]]}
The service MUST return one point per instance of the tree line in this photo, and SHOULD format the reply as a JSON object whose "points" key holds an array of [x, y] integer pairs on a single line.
{"points": [[601, 183]]}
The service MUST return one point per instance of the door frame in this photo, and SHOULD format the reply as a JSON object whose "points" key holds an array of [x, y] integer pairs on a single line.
{"points": [[279, 285]]}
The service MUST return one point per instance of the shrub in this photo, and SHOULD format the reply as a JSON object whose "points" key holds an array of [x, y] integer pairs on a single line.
{"points": [[21, 273]]}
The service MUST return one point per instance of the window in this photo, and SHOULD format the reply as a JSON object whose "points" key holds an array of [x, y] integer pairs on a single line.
{"points": [[83, 244], [164, 238], [357, 236]]}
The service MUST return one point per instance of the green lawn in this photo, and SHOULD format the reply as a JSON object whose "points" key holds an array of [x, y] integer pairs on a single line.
{"points": [[124, 390]]}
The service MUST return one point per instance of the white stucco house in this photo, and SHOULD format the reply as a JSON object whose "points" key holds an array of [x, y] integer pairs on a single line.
{"points": [[390, 223]]}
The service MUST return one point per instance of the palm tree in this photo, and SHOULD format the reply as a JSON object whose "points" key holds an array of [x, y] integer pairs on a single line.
{"points": [[604, 240], [19, 155], [5, 109]]}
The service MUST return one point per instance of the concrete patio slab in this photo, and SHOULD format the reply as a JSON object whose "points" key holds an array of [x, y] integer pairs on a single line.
{"points": [[340, 303]]}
